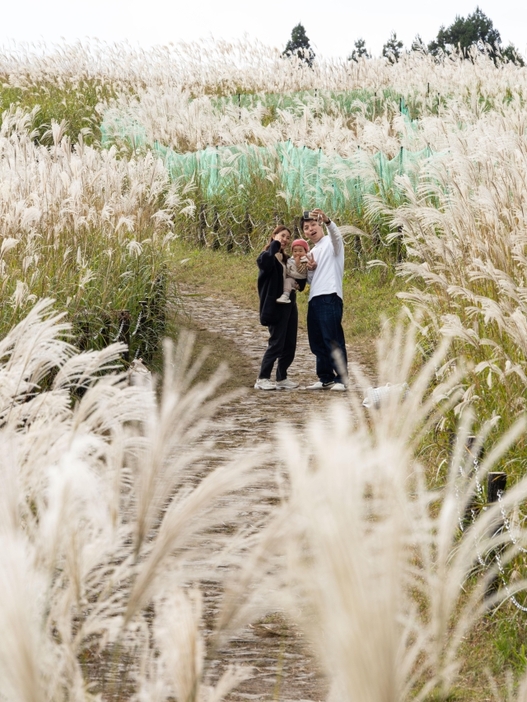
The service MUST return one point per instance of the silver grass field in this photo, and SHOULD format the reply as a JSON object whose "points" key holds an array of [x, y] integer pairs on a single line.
{"points": [[108, 523]]}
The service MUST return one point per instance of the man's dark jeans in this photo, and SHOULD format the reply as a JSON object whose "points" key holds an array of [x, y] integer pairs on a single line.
{"points": [[282, 342], [325, 334]]}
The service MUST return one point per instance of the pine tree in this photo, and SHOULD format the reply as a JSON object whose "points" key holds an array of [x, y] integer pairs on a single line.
{"points": [[474, 31], [393, 48], [299, 45], [466, 32], [360, 51], [419, 45], [510, 54]]}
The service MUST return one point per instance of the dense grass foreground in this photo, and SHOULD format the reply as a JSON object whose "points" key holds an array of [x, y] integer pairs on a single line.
{"points": [[109, 522], [105, 521]]}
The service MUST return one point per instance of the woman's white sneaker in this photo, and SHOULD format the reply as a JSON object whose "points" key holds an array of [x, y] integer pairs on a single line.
{"points": [[286, 384], [264, 384]]}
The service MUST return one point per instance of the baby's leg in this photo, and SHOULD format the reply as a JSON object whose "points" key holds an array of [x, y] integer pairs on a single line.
{"points": [[289, 284]]}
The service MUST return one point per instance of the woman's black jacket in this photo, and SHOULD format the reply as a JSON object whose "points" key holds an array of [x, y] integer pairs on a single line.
{"points": [[271, 284]]}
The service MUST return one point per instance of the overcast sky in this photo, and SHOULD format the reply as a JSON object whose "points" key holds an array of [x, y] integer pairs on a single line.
{"points": [[331, 25]]}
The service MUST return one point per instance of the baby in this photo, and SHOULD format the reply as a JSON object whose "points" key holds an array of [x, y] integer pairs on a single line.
{"points": [[296, 268]]}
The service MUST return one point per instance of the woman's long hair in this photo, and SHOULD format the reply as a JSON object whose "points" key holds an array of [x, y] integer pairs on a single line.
{"points": [[277, 230]]}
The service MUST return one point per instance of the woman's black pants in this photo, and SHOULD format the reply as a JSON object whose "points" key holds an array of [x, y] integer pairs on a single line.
{"points": [[282, 343]]}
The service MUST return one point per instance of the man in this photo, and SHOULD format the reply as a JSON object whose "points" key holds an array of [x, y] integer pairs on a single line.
{"points": [[324, 314]]}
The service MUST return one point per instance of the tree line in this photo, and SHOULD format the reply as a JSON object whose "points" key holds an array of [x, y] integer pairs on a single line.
{"points": [[466, 35]]}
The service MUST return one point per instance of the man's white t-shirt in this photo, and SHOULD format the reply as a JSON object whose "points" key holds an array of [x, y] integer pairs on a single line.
{"points": [[329, 255]]}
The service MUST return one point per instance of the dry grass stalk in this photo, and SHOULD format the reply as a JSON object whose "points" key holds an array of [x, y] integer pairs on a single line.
{"points": [[104, 521], [79, 223], [378, 574], [221, 67], [104, 524], [464, 227]]}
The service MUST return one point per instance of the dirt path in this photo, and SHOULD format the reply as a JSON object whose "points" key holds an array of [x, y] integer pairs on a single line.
{"points": [[222, 317], [283, 668]]}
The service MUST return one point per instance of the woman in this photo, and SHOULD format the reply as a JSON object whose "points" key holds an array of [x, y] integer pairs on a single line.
{"points": [[281, 319]]}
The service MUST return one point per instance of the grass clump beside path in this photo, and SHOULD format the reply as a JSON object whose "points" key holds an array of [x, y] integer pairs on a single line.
{"points": [[368, 295], [72, 102]]}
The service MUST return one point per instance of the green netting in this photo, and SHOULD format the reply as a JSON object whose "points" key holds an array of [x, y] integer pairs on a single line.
{"points": [[302, 175], [328, 101]]}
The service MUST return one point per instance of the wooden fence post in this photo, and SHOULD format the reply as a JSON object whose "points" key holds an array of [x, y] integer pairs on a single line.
{"points": [[496, 485]]}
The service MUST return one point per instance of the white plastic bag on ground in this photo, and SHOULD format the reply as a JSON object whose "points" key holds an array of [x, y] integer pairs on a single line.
{"points": [[374, 396]]}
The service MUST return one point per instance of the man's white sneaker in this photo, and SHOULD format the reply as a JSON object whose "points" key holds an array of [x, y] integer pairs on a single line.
{"points": [[319, 385], [338, 387], [286, 384], [264, 384], [284, 299]]}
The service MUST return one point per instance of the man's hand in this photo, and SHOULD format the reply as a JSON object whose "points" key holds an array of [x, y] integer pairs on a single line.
{"points": [[321, 216], [311, 263]]}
